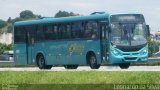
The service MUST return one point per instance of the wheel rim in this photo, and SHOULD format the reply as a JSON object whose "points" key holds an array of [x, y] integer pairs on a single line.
{"points": [[41, 61], [92, 60]]}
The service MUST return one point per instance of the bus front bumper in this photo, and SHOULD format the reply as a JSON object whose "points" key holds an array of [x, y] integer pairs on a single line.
{"points": [[128, 59]]}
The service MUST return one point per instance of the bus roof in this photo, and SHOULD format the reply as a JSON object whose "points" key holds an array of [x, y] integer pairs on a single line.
{"points": [[63, 19], [134, 13], [93, 16]]}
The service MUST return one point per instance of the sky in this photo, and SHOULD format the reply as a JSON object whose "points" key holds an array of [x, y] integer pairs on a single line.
{"points": [[149, 8]]}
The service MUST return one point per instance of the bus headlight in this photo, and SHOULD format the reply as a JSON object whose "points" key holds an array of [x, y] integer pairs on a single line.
{"points": [[115, 52], [143, 52]]}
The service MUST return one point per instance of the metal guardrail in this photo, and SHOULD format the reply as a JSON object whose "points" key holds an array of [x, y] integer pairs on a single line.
{"points": [[6, 62], [153, 59]]}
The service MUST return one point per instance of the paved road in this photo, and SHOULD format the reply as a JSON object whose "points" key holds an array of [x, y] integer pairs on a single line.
{"points": [[86, 68]]}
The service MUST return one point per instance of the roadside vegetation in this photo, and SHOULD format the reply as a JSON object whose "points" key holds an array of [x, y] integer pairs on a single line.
{"points": [[4, 47], [153, 47], [78, 78]]}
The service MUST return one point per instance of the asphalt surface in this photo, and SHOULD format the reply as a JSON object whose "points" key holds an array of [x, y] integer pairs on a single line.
{"points": [[86, 68]]}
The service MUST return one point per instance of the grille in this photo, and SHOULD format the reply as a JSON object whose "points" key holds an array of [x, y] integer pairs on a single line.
{"points": [[130, 58]]}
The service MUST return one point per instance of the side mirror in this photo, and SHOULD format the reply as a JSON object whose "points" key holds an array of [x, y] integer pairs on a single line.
{"points": [[148, 30]]}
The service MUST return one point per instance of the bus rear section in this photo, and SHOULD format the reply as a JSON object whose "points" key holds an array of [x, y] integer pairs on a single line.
{"points": [[20, 46]]}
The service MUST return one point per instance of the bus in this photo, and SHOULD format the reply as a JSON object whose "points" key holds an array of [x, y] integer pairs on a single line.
{"points": [[96, 39]]}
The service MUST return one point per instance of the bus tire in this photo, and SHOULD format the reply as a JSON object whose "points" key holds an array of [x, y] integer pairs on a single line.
{"points": [[124, 65], [93, 62], [41, 62], [70, 66], [48, 67]]}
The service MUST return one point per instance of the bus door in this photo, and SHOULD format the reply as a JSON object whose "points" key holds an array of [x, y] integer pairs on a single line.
{"points": [[30, 44], [104, 40]]}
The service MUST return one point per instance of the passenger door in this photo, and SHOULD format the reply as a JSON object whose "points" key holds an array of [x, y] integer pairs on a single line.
{"points": [[104, 39]]}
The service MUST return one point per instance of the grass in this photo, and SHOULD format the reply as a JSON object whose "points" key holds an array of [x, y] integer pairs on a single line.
{"points": [[80, 77], [66, 80]]}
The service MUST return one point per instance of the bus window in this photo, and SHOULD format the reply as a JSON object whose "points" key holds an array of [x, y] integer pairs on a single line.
{"points": [[40, 33], [76, 30], [49, 33], [60, 31], [30, 29], [91, 30], [64, 31], [68, 31], [55, 34], [20, 34]]}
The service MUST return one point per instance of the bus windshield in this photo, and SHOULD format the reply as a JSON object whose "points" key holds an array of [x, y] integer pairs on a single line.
{"points": [[128, 31]]}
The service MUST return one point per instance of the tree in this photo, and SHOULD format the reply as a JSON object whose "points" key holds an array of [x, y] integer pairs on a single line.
{"points": [[9, 29], [64, 14], [26, 14], [17, 19], [2, 23], [9, 20], [4, 47], [38, 16], [153, 47]]}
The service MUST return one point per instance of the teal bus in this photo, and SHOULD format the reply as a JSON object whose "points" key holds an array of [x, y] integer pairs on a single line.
{"points": [[96, 39]]}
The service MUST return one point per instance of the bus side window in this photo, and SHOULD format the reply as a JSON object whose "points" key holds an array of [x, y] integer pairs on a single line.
{"points": [[49, 33], [55, 34], [91, 31], [68, 31], [40, 33], [20, 34], [60, 31], [30, 29], [77, 30], [104, 28]]}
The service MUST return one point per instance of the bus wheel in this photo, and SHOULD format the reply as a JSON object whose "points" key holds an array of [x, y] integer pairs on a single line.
{"points": [[70, 66], [93, 62], [124, 65], [41, 63], [48, 67]]}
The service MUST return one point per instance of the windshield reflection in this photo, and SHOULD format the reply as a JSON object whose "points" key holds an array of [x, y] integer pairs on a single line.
{"points": [[126, 34]]}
